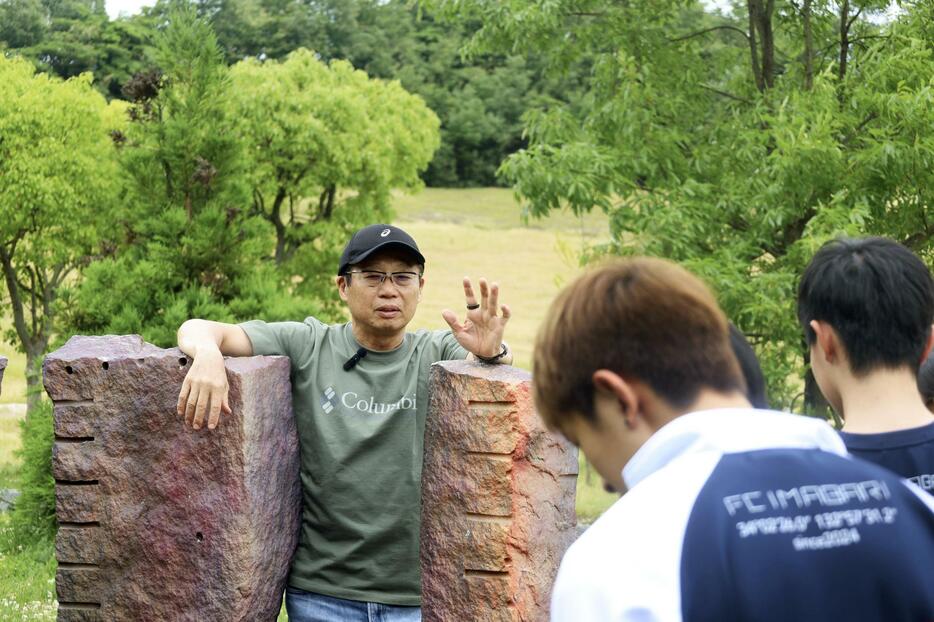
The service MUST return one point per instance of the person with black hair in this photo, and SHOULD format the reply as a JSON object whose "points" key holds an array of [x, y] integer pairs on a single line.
{"points": [[749, 365], [866, 306]]}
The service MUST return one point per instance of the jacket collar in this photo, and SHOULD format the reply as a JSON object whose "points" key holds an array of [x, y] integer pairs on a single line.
{"points": [[729, 430]]}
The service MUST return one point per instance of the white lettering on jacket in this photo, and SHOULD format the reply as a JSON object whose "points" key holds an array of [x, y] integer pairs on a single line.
{"points": [[821, 495], [353, 401]]}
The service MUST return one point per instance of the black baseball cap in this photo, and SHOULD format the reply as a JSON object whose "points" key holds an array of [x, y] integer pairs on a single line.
{"points": [[372, 238]]}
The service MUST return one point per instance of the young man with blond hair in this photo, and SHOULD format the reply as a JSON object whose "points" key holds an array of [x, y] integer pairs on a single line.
{"points": [[359, 394], [731, 513]]}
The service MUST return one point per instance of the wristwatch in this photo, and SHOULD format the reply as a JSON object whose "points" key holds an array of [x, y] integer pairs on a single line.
{"points": [[489, 360]]}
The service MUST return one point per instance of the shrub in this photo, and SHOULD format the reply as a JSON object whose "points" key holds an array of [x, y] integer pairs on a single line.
{"points": [[33, 516]]}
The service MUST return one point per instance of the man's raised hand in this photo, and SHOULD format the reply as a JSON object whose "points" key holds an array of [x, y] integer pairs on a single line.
{"points": [[482, 331]]}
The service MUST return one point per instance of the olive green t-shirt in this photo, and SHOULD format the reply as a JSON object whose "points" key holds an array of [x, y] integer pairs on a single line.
{"points": [[361, 436]]}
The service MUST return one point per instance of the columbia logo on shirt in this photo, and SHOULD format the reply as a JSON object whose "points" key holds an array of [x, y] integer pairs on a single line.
{"points": [[352, 400], [327, 402]]}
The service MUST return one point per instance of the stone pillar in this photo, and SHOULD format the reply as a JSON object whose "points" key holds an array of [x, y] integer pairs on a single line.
{"points": [[3, 362], [158, 521], [497, 498]]}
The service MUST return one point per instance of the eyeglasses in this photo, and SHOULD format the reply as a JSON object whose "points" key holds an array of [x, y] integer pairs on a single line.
{"points": [[375, 278]]}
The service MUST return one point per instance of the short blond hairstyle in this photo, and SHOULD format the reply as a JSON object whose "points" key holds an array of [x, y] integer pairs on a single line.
{"points": [[643, 318]]}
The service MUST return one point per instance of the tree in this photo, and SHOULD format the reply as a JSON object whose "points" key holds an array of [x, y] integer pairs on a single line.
{"points": [[185, 244], [22, 22], [71, 37], [56, 191], [327, 145], [480, 102], [735, 145]]}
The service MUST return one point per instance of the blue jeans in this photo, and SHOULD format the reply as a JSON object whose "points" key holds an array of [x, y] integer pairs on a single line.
{"points": [[310, 607]]}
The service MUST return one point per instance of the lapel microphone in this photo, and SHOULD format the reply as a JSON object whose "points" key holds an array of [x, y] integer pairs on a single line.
{"points": [[353, 360]]}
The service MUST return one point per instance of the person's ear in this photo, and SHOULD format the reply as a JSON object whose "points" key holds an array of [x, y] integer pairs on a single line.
{"points": [[342, 287], [612, 384], [928, 346], [826, 340]]}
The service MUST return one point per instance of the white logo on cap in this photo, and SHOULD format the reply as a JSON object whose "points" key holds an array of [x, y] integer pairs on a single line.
{"points": [[385, 233]]}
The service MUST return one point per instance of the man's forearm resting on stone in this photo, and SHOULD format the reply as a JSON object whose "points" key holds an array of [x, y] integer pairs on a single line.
{"points": [[196, 335]]}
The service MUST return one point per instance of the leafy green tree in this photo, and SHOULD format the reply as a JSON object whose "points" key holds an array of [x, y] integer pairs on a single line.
{"points": [[734, 144], [327, 145], [71, 37], [480, 102], [22, 22], [57, 168], [185, 244]]}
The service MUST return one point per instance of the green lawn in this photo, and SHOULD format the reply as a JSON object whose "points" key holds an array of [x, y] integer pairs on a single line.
{"points": [[490, 208], [27, 579], [462, 232], [13, 389], [10, 416], [479, 233]]}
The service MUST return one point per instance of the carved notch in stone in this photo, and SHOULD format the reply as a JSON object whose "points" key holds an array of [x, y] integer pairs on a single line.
{"points": [[497, 498], [158, 521]]}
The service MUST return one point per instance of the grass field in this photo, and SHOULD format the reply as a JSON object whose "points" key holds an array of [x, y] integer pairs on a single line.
{"points": [[462, 232], [27, 584], [13, 390], [480, 233]]}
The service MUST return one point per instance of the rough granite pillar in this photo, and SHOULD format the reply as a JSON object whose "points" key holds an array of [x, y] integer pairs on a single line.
{"points": [[3, 362], [497, 498], [158, 521]]}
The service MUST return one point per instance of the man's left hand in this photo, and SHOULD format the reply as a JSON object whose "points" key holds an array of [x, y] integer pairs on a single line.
{"points": [[481, 334]]}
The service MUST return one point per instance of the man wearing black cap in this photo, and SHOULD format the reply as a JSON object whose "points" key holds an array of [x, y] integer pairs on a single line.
{"points": [[360, 400]]}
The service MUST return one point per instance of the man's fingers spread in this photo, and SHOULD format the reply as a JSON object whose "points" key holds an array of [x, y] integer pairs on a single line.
{"points": [[506, 313], [226, 406], [451, 318], [494, 298], [468, 291], [484, 295]]}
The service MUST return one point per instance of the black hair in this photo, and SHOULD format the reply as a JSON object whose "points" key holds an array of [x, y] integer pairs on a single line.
{"points": [[749, 365], [876, 294]]}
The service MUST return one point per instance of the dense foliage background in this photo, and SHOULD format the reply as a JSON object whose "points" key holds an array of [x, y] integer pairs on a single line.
{"points": [[735, 144], [480, 102]]}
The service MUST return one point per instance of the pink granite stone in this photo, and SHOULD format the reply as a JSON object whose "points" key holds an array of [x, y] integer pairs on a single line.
{"points": [[497, 498], [158, 521]]}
